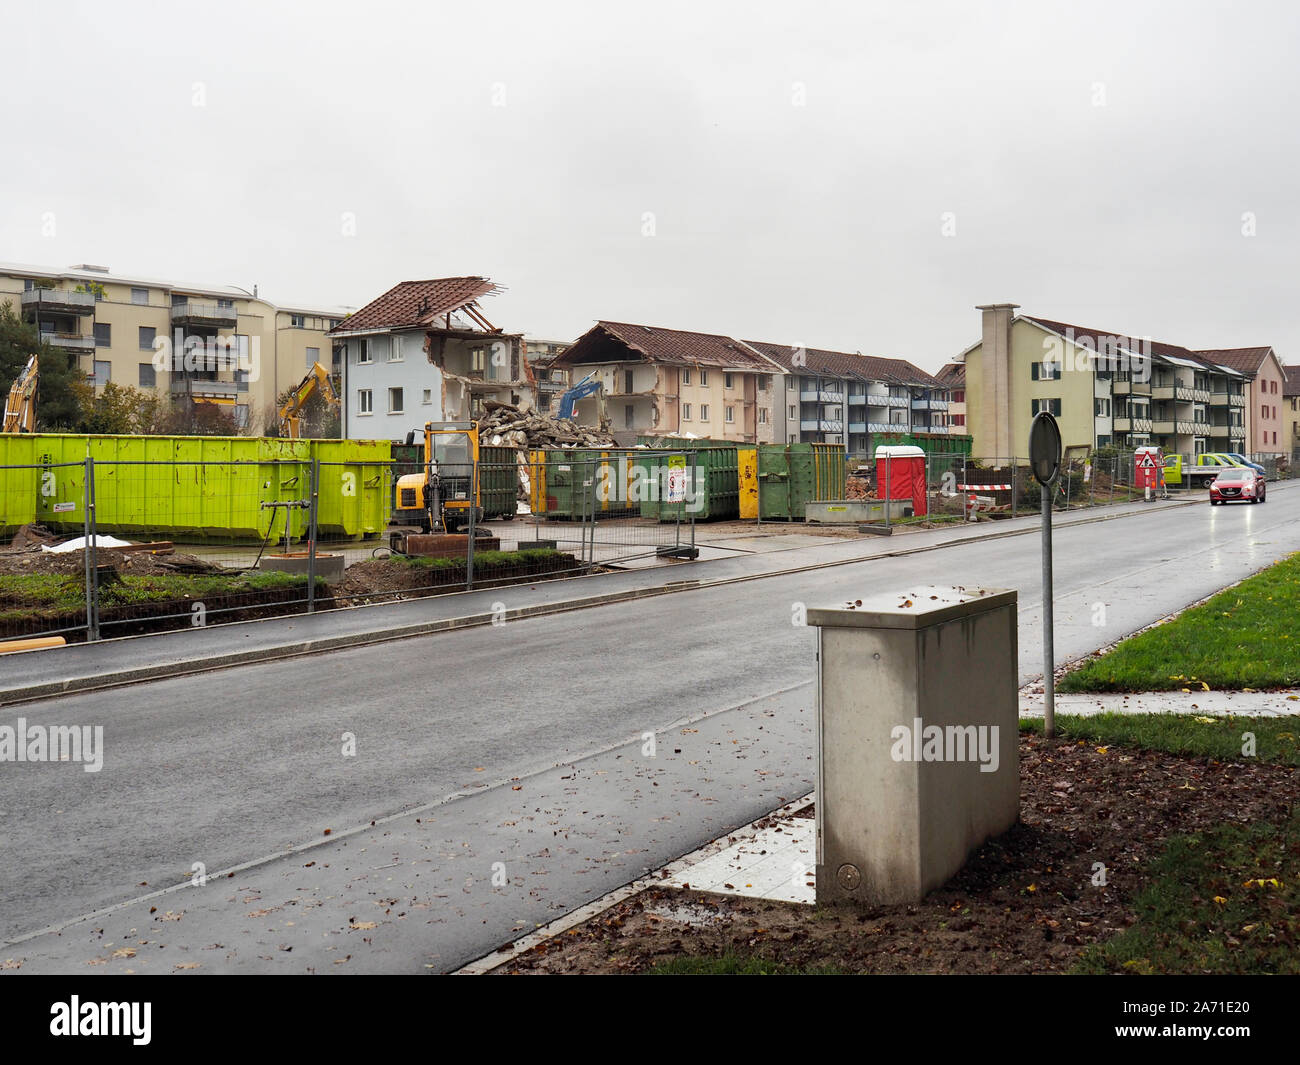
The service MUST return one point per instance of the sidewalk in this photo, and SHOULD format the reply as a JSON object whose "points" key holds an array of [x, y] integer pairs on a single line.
{"points": [[82, 667]]}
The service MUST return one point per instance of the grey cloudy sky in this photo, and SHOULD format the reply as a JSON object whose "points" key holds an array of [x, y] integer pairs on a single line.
{"points": [[798, 160]]}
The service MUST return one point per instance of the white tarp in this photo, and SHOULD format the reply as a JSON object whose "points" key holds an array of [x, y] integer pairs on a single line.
{"points": [[79, 544]]}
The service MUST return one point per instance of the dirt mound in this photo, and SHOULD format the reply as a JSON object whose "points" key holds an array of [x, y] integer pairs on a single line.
{"points": [[127, 563]]}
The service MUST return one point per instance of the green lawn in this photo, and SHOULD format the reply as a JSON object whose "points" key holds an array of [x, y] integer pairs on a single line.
{"points": [[1277, 739], [1225, 901], [1244, 637]]}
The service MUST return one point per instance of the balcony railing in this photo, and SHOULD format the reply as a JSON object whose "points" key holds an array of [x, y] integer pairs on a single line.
{"points": [[1237, 432], [197, 386], [1132, 425], [211, 314], [70, 341], [1237, 401], [1162, 427], [1162, 391], [857, 427], [1219, 431], [59, 301], [886, 427], [821, 395], [857, 397]]}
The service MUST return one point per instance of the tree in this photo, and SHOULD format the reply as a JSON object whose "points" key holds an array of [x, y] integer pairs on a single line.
{"points": [[63, 397]]}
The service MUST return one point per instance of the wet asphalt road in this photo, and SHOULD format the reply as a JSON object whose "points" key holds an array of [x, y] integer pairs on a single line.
{"points": [[509, 761]]}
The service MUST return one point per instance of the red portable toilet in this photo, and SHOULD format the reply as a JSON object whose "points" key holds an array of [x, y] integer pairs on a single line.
{"points": [[900, 474], [1149, 470]]}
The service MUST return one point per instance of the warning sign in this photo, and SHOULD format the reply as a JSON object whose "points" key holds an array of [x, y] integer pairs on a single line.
{"points": [[1146, 463], [675, 490], [63, 508]]}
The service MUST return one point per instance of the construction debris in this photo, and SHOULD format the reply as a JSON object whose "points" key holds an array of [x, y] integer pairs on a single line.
{"points": [[505, 425]]}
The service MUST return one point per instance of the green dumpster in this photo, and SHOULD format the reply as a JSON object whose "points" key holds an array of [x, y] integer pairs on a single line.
{"points": [[712, 479], [355, 498], [790, 475]]}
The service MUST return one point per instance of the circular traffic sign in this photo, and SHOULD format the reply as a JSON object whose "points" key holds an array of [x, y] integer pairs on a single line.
{"points": [[1045, 448]]}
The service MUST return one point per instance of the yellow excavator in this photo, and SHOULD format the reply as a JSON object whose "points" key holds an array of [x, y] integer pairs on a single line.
{"points": [[440, 496], [290, 414], [20, 408]]}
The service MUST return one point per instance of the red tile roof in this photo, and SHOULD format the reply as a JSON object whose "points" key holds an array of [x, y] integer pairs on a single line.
{"points": [[1243, 360], [418, 303], [622, 342], [848, 364], [953, 375], [1291, 382]]}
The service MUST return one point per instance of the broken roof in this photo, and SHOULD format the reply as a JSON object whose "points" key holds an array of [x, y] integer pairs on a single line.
{"points": [[953, 375], [847, 364], [417, 304], [614, 341]]}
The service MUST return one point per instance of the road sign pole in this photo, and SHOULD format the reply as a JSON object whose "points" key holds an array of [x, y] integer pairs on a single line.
{"points": [[1049, 650]]}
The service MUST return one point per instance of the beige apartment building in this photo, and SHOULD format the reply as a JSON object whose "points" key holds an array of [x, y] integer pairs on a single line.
{"points": [[194, 343], [1105, 389], [669, 381]]}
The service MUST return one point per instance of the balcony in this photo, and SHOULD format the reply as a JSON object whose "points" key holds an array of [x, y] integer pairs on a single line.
{"points": [[212, 315], [1186, 395], [1132, 425], [857, 427], [1218, 399], [895, 401], [1237, 400], [1237, 432], [886, 427], [1201, 428], [1163, 391], [821, 395], [929, 404], [198, 388], [58, 301], [78, 342], [1218, 432], [857, 397], [1161, 427], [1201, 395], [820, 425]]}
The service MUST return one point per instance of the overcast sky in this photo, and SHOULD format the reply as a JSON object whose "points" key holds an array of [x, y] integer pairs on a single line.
{"points": [[796, 163]]}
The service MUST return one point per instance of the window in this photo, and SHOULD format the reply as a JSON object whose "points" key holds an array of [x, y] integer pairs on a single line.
{"points": [[140, 297], [295, 321], [241, 415], [103, 335], [1101, 407], [728, 380], [704, 408], [394, 349], [363, 352], [764, 382], [1263, 411], [762, 415], [627, 382], [427, 398], [103, 373], [225, 305], [731, 414], [959, 396], [794, 412], [791, 384], [686, 412], [365, 402], [628, 416], [704, 380], [959, 419], [1052, 406], [147, 334], [313, 357], [395, 401], [476, 356], [241, 380], [148, 377], [686, 377], [1045, 371], [335, 322]]}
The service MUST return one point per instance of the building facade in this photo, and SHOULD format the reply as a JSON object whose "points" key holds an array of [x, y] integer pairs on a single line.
{"points": [[1265, 396], [1105, 389], [423, 351], [658, 381], [192, 343], [836, 397]]}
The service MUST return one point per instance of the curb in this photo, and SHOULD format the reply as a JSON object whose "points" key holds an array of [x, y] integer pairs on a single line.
{"points": [[188, 667]]}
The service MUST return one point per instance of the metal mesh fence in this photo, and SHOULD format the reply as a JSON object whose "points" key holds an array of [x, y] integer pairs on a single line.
{"points": [[114, 548]]}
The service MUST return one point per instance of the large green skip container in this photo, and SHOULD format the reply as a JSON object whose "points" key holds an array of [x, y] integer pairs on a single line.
{"points": [[789, 475], [18, 487], [191, 488], [498, 481], [355, 499], [713, 479]]}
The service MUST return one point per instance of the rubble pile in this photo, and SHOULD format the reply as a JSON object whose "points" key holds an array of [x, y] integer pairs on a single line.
{"points": [[504, 425], [860, 484]]}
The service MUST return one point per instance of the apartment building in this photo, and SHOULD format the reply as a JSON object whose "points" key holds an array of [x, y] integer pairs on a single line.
{"points": [[671, 381], [424, 351], [1105, 388], [836, 397], [953, 378], [1291, 399], [550, 381], [1265, 396], [194, 343]]}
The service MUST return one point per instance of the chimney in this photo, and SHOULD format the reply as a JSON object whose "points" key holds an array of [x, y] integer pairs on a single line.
{"points": [[995, 412]]}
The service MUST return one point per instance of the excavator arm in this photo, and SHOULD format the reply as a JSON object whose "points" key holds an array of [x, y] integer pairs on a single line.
{"points": [[20, 407], [317, 378]]}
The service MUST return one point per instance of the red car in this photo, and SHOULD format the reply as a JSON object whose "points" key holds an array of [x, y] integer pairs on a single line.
{"points": [[1238, 484]]}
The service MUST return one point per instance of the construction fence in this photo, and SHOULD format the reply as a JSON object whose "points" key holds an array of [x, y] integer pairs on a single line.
{"points": [[98, 549]]}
